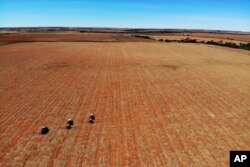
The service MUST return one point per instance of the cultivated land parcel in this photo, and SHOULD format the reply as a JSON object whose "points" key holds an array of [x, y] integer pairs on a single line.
{"points": [[156, 104]]}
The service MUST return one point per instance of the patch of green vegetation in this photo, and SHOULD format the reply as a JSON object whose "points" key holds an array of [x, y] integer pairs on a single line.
{"points": [[142, 36]]}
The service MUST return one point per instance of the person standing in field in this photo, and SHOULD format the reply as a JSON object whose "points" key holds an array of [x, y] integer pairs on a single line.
{"points": [[91, 118]]}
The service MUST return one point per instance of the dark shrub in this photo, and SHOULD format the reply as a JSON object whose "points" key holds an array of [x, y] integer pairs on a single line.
{"points": [[142, 36], [245, 46], [220, 42], [231, 45], [188, 40]]}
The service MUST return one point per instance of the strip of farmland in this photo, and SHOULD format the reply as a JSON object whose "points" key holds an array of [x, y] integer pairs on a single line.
{"points": [[155, 104]]}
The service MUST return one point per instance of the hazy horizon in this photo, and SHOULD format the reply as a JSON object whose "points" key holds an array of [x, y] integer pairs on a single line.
{"points": [[225, 15]]}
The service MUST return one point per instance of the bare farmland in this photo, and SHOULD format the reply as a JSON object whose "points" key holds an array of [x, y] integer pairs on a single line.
{"points": [[237, 38], [155, 104]]}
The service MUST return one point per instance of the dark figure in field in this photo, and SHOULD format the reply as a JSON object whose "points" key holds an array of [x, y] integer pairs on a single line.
{"points": [[68, 126], [70, 122], [44, 130], [91, 118]]}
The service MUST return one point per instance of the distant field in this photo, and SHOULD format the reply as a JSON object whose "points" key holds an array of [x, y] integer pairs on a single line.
{"points": [[236, 38], [199, 39], [69, 37], [156, 104], [108, 36], [49, 37]]}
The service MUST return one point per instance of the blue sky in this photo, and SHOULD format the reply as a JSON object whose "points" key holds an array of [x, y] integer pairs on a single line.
{"points": [[195, 14]]}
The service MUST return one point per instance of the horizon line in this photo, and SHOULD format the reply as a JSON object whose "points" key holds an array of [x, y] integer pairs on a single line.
{"points": [[144, 28]]}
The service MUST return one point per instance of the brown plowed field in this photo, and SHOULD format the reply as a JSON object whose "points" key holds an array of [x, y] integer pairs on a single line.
{"points": [[67, 37], [156, 104], [56, 37]]}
